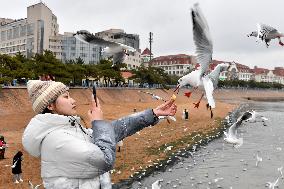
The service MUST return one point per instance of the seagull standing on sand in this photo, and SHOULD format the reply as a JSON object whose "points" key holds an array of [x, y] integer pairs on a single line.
{"points": [[117, 51], [266, 33]]}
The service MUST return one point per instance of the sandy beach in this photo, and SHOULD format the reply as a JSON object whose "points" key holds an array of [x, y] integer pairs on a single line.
{"points": [[139, 150]]}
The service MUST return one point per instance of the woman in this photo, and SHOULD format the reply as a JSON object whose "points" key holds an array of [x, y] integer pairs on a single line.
{"points": [[17, 167], [72, 156]]}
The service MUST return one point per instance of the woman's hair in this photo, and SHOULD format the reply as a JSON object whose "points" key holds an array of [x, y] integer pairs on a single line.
{"points": [[46, 110]]}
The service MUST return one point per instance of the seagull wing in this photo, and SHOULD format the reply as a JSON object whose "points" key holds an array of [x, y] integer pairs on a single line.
{"points": [[233, 129], [247, 115], [119, 57], [87, 37], [265, 30], [202, 39], [209, 88]]}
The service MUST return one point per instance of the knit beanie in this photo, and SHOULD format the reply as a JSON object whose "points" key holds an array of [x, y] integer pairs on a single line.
{"points": [[42, 93]]}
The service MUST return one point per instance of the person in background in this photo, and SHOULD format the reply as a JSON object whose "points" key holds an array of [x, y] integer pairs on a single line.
{"points": [[73, 157], [17, 167], [3, 147]]}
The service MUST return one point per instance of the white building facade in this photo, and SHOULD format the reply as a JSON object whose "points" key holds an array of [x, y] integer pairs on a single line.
{"points": [[29, 35]]}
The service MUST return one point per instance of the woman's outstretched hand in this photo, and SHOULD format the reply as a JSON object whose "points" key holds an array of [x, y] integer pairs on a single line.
{"points": [[95, 112], [168, 108]]}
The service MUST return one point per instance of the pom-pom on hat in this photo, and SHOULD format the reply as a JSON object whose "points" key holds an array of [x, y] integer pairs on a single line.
{"points": [[42, 93]]}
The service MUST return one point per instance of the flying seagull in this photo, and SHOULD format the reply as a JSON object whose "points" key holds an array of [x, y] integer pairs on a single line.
{"points": [[253, 116], [116, 51], [210, 83], [231, 135], [204, 49], [267, 33]]}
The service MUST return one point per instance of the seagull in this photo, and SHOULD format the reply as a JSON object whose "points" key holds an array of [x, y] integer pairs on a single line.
{"points": [[266, 33], [258, 159], [280, 171], [231, 136], [32, 186], [117, 51], [272, 185], [252, 116], [204, 50], [210, 82], [153, 95], [156, 184]]}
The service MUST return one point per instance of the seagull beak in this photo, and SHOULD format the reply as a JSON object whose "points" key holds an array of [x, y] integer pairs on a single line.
{"points": [[177, 88]]}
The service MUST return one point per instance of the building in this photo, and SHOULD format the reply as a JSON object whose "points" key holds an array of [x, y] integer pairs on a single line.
{"points": [[29, 35], [174, 64], [145, 57], [271, 76]]}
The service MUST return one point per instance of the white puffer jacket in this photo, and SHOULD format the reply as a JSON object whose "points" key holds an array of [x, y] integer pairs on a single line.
{"points": [[75, 158]]}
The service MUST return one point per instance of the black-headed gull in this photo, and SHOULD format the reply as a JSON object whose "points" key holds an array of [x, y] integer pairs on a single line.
{"points": [[266, 33], [253, 116], [117, 51], [204, 49], [210, 82], [231, 135]]}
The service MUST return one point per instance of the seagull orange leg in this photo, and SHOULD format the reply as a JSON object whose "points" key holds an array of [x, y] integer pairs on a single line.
{"points": [[187, 94], [196, 105]]}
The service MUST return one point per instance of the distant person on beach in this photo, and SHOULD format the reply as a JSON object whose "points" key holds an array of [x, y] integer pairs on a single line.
{"points": [[17, 167], [71, 155], [3, 147]]}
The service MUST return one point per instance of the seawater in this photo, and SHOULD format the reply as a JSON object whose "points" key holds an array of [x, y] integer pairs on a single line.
{"points": [[220, 165]]}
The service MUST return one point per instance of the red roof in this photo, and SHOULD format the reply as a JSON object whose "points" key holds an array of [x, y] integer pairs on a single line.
{"points": [[126, 75], [146, 51], [279, 71], [259, 71]]}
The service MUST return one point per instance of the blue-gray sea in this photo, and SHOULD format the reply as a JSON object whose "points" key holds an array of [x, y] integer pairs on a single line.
{"points": [[220, 165]]}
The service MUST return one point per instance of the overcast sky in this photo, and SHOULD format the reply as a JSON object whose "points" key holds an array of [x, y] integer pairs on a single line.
{"points": [[170, 21]]}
